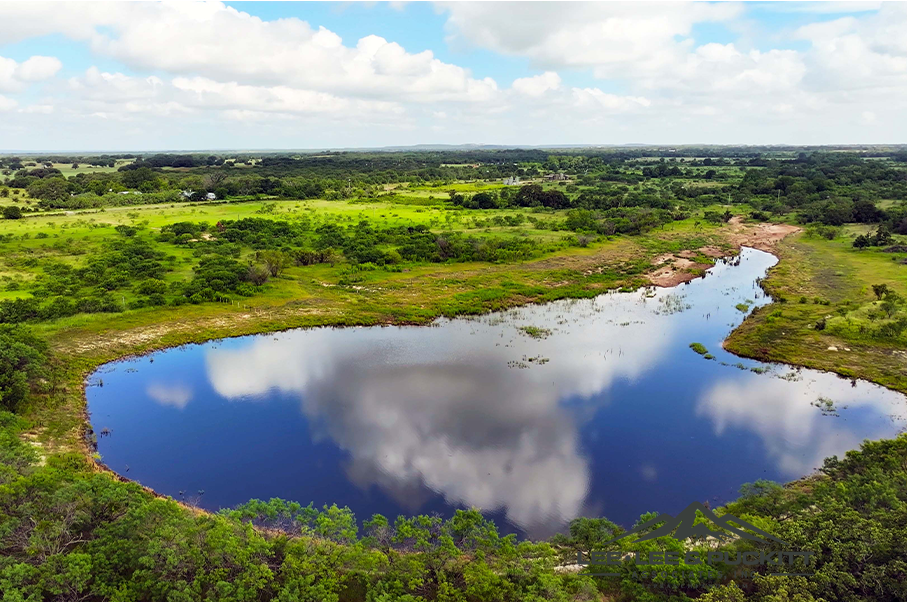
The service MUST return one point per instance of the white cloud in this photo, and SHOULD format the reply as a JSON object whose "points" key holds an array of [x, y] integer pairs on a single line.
{"points": [[38, 68], [856, 56], [824, 8], [613, 38], [41, 109], [7, 104], [15, 77], [601, 67], [794, 432], [220, 43], [596, 99], [207, 93], [537, 85]]}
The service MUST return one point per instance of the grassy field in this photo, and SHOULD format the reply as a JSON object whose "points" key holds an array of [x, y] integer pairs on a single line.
{"points": [[68, 170], [830, 283]]}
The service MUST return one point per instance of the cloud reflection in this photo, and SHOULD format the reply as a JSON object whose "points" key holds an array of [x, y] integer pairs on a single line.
{"points": [[796, 435], [460, 410], [177, 396]]}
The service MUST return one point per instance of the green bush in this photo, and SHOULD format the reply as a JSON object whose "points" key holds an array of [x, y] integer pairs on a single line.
{"points": [[12, 212], [23, 361]]}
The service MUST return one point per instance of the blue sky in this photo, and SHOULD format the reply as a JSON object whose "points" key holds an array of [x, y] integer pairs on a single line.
{"points": [[133, 76]]}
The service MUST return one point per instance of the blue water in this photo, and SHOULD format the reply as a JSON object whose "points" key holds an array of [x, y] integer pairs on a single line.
{"points": [[610, 414]]}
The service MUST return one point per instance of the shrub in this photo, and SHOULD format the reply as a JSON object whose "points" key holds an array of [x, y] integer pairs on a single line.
{"points": [[12, 212], [151, 286], [258, 274], [23, 360]]}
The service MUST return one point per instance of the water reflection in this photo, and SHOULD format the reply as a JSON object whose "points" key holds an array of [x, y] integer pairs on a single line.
{"points": [[787, 413], [177, 396], [600, 408], [470, 410]]}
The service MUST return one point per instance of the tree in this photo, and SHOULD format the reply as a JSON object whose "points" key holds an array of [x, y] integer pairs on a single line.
{"points": [[135, 178], [890, 304], [12, 212], [49, 189], [274, 261], [880, 290], [257, 274], [214, 179], [23, 358], [882, 237], [866, 212], [484, 200], [861, 242]]}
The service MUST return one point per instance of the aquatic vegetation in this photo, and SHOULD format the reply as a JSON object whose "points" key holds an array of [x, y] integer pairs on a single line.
{"points": [[699, 348], [826, 405], [672, 304], [535, 332]]}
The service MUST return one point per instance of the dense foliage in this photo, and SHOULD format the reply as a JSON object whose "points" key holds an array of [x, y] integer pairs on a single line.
{"points": [[23, 364]]}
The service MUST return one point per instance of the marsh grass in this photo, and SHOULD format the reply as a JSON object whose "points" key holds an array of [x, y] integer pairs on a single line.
{"points": [[834, 285], [699, 348], [535, 332]]}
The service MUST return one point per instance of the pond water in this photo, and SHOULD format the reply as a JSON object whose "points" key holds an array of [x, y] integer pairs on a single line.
{"points": [[537, 415]]}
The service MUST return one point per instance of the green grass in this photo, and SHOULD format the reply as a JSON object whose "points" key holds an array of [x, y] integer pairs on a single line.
{"points": [[699, 348], [828, 283]]}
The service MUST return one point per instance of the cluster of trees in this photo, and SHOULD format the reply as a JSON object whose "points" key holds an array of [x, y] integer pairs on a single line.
{"points": [[624, 220], [63, 290], [882, 320], [23, 365], [830, 187], [531, 195], [880, 238], [12, 212], [361, 243]]}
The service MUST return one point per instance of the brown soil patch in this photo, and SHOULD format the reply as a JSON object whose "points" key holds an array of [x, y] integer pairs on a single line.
{"points": [[711, 251], [758, 236], [675, 270]]}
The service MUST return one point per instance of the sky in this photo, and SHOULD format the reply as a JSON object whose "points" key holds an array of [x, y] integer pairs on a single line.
{"points": [[128, 76]]}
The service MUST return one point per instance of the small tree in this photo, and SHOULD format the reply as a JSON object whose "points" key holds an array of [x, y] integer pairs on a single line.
{"points": [[882, 237], [861, 242], [275, 261], [23, 361], [880, 290], [12, 212], [257, 274], [890, 305]]}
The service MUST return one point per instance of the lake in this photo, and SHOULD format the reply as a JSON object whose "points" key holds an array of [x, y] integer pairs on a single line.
{"points": [[537, 415]]}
